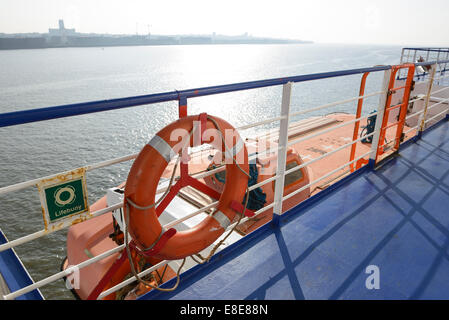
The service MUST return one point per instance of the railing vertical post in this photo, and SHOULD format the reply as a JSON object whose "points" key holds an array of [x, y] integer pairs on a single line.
{"points": [[445, 64], [184, 166], [380, 115], [402, 56], [404, 59], [357, 124], [426, 102], [182, 106], [438, 60], [282, 152]]}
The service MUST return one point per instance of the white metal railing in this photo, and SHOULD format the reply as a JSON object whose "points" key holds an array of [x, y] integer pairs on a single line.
{"points": [[298, 167], [61, 274], [39, 234], [260, 123], [408, 131], [441, 90], [414, 115], [279, 197], [319, 133], [33, 182], [325, 106], [437, 115]]}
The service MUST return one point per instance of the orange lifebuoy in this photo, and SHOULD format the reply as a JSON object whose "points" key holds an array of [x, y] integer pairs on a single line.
{"points": [[143, 178]]}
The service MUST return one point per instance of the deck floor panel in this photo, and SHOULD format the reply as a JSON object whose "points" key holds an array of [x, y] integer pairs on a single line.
{"points": [[395, 218]]}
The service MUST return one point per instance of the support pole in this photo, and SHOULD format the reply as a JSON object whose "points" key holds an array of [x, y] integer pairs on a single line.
{"points": [[426, 103], [282, 152], [380, 115]]}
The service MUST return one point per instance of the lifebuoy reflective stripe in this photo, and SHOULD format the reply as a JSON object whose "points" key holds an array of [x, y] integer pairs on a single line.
{"points": [[147, 169]]}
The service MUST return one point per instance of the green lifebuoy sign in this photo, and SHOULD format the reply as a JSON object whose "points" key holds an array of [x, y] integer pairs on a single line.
{"points": [[64, 198]]}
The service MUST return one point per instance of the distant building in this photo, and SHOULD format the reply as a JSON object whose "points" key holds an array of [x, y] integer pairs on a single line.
{"points": [[60, 35]]}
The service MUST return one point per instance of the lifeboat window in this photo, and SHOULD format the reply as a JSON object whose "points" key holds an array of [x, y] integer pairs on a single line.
{"points": [[294, 176]]}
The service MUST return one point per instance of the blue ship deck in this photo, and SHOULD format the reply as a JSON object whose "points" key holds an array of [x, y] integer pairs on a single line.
{"points": [[394, 217], [14, 273]]}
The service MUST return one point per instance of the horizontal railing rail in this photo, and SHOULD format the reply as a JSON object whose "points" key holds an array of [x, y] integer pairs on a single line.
{"points": [[428, 49], [35, 115]]}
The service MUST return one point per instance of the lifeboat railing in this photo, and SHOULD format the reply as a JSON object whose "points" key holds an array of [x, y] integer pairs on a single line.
{"points": [[29, 116]]}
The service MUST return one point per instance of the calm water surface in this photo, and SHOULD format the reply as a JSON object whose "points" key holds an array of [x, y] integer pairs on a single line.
{"points": [[41, 78]]}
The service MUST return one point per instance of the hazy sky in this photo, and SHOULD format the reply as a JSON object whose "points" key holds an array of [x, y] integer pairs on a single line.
{"points": [[401, 22]]}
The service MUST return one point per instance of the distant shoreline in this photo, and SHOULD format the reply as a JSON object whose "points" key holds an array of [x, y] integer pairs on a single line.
{"points": [[15, 42], [145, 45], [25, 46]]}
